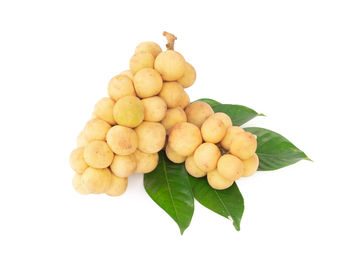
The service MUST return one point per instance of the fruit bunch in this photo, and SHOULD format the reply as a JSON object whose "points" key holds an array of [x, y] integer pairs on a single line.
{"points": [[146, 105], [228, 152], [130, 127]]}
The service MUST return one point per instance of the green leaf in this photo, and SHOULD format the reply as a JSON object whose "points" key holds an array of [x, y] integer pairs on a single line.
{"points": [[274, 150], [239, 114], [209, 101], [228, 202], [168, 185]]}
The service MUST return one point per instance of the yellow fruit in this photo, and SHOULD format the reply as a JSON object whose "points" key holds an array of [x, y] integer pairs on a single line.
{"points": [[213, 130], [81, 140], [155, 108], [224, 118], [147, 82], [104, 110], [173, 156], [216, 181], [243, 145], [192, 168], [123, 165], [140, 61], [151, 136], [128, 73], [170, 64], [185, 100], [250, 165], [128, 111], [146, 162], [118, 186], [185, 138], [172, 117], [206, 156], [189, 76], [96, 181], [230, 167], [172, 93], [120, 86], [122, 140], [97, 154], [230, 134], [198, 112], [78, 186], [77, 161], [96, 129], [150, 47]]}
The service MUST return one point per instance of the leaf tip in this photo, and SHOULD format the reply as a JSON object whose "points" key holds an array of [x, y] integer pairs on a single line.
{"points": [[262, 115], [308, 159], [237, 227], [235, 224], [182, 230]]}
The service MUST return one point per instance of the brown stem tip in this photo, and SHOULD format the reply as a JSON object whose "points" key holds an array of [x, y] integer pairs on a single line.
{"points": [[171, 40]]}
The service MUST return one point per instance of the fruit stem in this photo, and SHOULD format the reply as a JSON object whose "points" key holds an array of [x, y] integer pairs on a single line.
{"points": [[222, 150], [171, 40]]}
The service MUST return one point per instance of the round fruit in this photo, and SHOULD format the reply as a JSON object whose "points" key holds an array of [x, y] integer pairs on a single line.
{"points": [[173, 156], [172, 93], [170, 64], [128, 73], [128, 111], [122, 140], [250, 165], [104, 110], [216, 181], [189, 76], [198, 112], [123, 165], [78, 186], [97, 154], [120, 86], [213, 130], [206, 156], [230, 167], [151, 136], [192, 168], [96, 129], [230, 134], [141, 60], [172, 117], [185, 138], [185, 101], [155, 108], [77, 161], [146, 162], [150, 47], [224, 118], [118, 186], [96, 181], [147, 82], [243, 145]]}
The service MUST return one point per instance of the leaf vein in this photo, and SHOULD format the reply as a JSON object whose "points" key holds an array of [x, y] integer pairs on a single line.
{"points": [[171, 195], [222, 202]]}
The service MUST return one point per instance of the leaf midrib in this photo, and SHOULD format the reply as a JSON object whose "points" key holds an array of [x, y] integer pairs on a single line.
{"points": [[222, 202], [171, 195], [273, 155]]}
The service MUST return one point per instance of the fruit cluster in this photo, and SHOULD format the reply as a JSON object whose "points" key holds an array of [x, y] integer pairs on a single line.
{"points": [[130, 127], [228, 152], [146, 105]]}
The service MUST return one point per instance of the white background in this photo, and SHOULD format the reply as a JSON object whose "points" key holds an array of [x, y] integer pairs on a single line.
{"points": [[287, 59]]}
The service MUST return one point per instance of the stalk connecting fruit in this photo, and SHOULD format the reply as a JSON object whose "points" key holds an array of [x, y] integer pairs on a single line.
{"points": [[147, 111]]}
